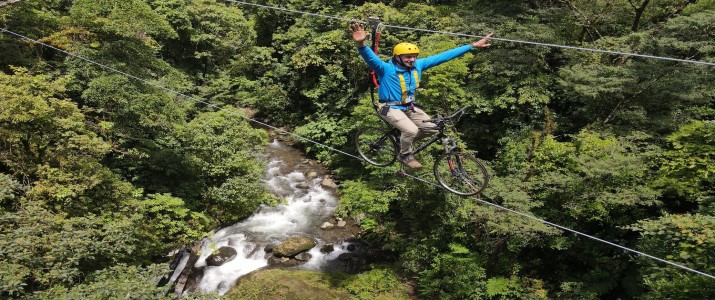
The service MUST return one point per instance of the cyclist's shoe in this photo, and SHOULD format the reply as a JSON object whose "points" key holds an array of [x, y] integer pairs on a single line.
{"points": [[410, 161]]}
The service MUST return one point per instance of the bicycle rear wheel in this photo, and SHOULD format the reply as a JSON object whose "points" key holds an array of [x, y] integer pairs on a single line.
{"points": [[376, 145], [461, 173]]}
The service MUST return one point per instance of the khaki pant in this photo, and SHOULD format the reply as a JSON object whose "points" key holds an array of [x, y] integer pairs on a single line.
{"points": [[411, 125]]}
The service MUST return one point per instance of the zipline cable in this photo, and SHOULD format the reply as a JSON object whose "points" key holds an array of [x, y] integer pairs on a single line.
{"points": [[477, 36], [4, 30], [476, 198]]}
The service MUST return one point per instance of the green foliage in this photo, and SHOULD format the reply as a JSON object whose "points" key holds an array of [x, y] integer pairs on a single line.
{"points": [[376, 284], [97, 168], [593, 176], [118, 282], [453, 277], [129, 19], [170, 216], [688, 167], [684, 239], [223, 150], [503, 288], [331, 132], [51, 248], [9, 189], [358, 198]]}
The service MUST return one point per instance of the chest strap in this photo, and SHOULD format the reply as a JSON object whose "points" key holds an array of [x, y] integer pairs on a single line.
{"points": [[403, 85]]}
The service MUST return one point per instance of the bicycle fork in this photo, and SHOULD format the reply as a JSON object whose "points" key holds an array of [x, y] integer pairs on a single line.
{"points": [[456, 166]]}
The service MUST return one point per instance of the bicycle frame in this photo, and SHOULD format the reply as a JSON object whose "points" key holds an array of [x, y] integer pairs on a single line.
{"points": [[458, 172], [423, 145]]}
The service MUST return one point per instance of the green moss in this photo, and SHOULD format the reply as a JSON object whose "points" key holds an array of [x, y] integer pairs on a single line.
{"points": [[302, 284]]}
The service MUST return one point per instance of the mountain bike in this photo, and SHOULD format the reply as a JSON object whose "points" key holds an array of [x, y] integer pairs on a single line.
{"points": [[457, 171]]}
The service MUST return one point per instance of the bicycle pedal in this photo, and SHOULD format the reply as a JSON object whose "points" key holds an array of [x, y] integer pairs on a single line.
{"points": [[401, 173]]}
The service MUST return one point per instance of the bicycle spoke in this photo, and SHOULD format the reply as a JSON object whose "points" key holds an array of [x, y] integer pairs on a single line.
{"points": [[461, 173], [376, 146]]}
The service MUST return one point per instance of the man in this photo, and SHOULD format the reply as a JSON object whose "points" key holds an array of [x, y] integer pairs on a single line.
{"points": [[399, 79]]}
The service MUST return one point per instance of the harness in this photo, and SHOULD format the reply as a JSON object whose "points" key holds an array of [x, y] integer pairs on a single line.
{"points": [[403, 85], [375, 23]]}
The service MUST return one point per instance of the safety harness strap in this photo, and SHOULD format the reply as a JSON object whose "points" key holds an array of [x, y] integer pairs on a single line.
{"points": [[403, 85]]}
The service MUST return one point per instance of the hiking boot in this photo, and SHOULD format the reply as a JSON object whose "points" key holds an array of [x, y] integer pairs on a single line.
{"points": [[410, 161]]}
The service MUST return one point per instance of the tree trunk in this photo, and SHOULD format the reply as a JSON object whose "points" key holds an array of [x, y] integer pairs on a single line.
{"points": [[639, 14]]}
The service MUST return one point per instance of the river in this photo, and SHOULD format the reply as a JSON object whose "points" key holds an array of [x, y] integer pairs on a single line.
{"points": [[307, 204]]}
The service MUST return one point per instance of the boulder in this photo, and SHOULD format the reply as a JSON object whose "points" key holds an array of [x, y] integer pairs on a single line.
{"points": [[222, 256], [327, 225], [268, 248], [283, 261], [293, 246], [341, 224], [305, 256], [327, 248], [311, 175], [328, 183]]}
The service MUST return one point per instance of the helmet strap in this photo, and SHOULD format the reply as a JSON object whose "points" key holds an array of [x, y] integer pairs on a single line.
{"points": [[399, 61]]}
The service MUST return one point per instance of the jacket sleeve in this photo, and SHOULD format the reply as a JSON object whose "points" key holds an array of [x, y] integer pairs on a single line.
{"points": [[373, 61], [443, 57]]}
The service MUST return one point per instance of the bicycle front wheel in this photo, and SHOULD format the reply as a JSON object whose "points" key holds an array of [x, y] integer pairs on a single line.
{"points": [[461, 173], [376, 145]]}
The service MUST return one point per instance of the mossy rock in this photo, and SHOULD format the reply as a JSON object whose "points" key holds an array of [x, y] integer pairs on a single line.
{"points": [[269, 284], [289, 284], [293, 246]]}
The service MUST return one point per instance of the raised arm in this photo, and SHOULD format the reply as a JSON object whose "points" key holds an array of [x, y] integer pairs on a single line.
{"points": [[373, 61], [359, 34], [448, 55]]}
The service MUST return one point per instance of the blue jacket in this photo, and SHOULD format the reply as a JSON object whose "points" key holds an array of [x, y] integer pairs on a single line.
{"points": [[390, 89]]}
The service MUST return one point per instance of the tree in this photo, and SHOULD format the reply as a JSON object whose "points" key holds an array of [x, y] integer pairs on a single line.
{"points": [[685, 239]]}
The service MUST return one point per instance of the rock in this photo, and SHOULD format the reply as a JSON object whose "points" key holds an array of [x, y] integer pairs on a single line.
{"points": [[311, 175], [287, 261], [293, 246], [223, 255], [302, 185], [352, 247], [328, 183], [327, 248], [305, 256], [268, 248], [223, 286], [359, 217], [327, 225], [341, 224]]}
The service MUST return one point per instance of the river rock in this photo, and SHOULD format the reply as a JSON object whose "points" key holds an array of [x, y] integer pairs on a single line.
{"points": [[327, 225], [327, 248], [341, 224], [268, 248], [305, 256], [311, 175], [284, 261], [223, 255], [293, 246], [328, 183]]}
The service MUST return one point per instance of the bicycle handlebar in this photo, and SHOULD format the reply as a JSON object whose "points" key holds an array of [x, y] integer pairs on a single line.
{"points": [[456, 115]]}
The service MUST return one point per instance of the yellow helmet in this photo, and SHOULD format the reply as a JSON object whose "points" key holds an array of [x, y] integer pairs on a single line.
{"points": [[405, 48]]}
